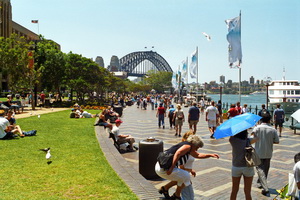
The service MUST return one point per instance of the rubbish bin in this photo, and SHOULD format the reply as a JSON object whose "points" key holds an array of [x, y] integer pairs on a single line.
{"points": [[47, 103], [119, 110], [148, 152]]}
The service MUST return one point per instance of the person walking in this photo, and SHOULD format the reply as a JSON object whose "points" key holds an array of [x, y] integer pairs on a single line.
{"points": [[212, 115], [239, 167], [193, 117], [161, 114], [170, 116], [264, 146], [178, 118], [219, 106], [279, 118]]}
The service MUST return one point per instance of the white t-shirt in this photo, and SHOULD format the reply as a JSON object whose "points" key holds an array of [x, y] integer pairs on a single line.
{"points": [[116, 132], [212, 112], [189, 162], [3, 124], [85, 114], [297, 172]]}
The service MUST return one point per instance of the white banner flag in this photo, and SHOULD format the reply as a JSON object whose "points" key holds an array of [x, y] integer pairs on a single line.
{"points": [[194, 65], [174, 81], [234, 39], [184, 71]]}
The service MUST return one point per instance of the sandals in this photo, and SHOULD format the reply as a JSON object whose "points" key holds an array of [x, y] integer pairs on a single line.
{"points": [[174, 197], [165, 192]]}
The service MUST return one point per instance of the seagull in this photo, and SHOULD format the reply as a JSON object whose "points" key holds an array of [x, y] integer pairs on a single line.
{"points": [[48, 155], [45, 150], [207, 36]]}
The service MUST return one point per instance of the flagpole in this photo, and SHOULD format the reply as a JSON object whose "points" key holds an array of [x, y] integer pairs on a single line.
{"points": [[197, 67], [187, 70], [240, 68]]}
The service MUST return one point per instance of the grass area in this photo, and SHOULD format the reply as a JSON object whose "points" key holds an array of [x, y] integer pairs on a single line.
{"points": [[78, 170]]}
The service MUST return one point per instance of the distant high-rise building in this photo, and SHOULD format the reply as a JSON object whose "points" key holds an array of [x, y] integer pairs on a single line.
{"points": [[222, 79], [229, 83], [251, 80], [99, 61], [257, 82], [114, 64]]}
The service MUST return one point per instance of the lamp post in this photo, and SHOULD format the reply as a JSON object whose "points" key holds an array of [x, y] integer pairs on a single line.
{"points": [[267, 85]]}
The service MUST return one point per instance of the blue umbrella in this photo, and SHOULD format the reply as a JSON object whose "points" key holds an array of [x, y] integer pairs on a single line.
{"points": [[236, 125]]}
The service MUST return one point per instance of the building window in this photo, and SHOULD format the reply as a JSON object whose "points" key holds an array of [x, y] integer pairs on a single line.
{"points": [[284, 92], [297, 91], [288, 92], [292, 91]]}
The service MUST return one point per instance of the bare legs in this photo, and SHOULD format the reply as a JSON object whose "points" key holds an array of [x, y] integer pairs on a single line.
{"points": [[236, 186]]}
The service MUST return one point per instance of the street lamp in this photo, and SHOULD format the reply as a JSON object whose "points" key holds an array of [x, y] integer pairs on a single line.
{"points": [[267, 82]]}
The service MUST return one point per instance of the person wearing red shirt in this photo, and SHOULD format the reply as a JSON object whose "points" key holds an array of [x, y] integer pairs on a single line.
{"points": [[161, 114], [232, 111]]}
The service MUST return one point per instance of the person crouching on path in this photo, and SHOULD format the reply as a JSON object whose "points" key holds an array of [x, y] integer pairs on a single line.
{"points": [[182, 177]]}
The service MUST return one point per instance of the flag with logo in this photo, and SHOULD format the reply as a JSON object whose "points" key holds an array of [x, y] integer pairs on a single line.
{"points": [[174, 81], [234, 40], [35, 21], [194, 64], [184, 71]]}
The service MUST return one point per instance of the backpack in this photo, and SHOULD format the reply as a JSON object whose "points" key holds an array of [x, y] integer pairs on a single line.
{"points": [[171, 112], [180, 116]]}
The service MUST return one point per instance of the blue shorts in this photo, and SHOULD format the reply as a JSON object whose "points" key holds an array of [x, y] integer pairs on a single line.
{"points": [[239, 171]]}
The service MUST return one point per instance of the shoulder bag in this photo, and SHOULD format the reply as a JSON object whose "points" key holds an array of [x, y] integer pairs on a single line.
{"points": [[251, 157], [165, 160]]}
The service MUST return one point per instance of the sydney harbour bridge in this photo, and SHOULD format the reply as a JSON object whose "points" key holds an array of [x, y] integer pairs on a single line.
{"points": [[139, 63]]}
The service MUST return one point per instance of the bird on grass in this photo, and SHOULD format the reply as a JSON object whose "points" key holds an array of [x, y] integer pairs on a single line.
{"points": [[48, 155]]}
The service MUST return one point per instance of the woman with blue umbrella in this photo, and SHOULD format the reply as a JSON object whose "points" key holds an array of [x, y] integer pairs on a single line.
{"points": [[239, 166], [236, 128]]}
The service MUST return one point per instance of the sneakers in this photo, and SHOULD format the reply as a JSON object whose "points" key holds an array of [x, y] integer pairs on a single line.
{"points": [[212, 136]]}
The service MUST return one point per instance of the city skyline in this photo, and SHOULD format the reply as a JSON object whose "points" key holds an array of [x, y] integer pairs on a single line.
{"points": [[270, 32]]}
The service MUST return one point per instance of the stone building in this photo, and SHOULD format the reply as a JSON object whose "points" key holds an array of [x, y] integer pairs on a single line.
{"points": [[7, 27]]}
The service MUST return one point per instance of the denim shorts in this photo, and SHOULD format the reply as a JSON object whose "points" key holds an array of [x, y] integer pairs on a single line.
{"points": [[239, 171]]}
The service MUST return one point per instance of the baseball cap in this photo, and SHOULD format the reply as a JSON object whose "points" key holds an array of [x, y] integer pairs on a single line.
{"points": [[118, 121]]}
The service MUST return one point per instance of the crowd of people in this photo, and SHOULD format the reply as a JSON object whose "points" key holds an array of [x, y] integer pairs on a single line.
{"points": [[264, 136]]}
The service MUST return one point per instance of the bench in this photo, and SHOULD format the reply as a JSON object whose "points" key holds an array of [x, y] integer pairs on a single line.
{"points": [[295, 127], [17, 105], [116, 144]]}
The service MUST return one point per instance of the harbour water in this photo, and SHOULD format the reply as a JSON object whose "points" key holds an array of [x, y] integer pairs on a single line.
{"points": [[250, 100]]}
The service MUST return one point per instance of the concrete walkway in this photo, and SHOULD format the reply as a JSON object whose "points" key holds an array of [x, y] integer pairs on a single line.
{"points": [[213, 180]]}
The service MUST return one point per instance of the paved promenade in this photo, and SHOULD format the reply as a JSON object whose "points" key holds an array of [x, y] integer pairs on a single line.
{"points": [[213, 180]]}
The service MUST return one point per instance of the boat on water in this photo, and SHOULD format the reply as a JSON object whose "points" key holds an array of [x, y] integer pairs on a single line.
{"points": [[258, 93], [286, 93]]}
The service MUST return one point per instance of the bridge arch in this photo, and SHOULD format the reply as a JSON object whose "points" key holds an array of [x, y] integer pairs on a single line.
{"points": [[132, 61]]}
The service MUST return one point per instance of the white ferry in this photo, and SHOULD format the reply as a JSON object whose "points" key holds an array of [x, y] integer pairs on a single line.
{"points": [[259, 92], [286, 93]]}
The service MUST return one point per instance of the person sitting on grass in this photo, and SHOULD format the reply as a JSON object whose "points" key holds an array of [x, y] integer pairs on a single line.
{"points": [[14, 128], [103, 121], [85, 114], [12, 124], [5, 132]]}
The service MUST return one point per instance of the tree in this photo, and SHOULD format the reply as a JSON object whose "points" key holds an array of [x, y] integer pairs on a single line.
{"points": [[14, 62], [52, 65], [159, 81]]}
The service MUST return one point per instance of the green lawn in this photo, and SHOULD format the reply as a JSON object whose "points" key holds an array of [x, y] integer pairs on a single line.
{"points": [[78, 170]]}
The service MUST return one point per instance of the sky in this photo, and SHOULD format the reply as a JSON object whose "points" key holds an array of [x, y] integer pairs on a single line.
{"points": [[270, 32]]}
